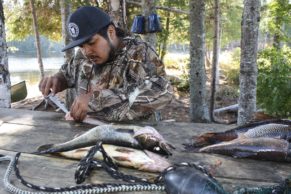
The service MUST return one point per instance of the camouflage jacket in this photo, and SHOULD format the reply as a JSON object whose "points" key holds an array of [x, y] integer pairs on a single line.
{"points": [[131, 86]]}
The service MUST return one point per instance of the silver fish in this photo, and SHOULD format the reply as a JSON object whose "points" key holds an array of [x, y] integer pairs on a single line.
{"points": [[124, 156], [270, 130], [263, 148], [123, 135], [109, 134]]}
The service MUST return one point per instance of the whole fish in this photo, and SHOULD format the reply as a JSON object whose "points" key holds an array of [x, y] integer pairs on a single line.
{"points": [[109, 134], [217, 137], [263, 148], [123, 135], [124, 156]]}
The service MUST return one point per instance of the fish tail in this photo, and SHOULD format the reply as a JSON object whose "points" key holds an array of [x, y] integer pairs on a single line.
{"points": [[43, 149], [204, 139], [190, 148]]}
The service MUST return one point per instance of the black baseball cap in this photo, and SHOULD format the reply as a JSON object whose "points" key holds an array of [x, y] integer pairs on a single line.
{"points": [[84, 23]]}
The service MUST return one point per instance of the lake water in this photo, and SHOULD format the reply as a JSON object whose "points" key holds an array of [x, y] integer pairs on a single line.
{"points": [[27, 69]]}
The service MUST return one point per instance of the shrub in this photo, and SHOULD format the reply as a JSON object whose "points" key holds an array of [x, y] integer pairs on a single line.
{"points": [[230, 67], [274, 81]]}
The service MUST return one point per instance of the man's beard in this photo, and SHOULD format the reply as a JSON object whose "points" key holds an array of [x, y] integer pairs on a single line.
{"points": [[112, 51]]}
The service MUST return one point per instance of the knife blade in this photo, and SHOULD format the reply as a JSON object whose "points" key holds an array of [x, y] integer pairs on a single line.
{"points": [[58, 102], [61, 105]]}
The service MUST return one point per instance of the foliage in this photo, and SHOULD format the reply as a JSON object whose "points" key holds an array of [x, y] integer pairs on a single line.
{"points": [[182, 84], [230, 67], [230, 16], [227, 92], [179, 62], [19, 18], [276, 19], [274, 83]]}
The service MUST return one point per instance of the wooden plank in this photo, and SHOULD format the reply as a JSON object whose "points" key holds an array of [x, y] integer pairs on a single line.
{"points": [[39, 118], [26, 138], [14, 137], [49, 170]]}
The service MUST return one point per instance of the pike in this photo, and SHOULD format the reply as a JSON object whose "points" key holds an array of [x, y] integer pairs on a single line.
{"points": [[124, 156], [122, 135], [263, 148]]}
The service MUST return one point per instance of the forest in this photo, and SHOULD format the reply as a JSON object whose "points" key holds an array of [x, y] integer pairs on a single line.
{"points": [[236, 51]]}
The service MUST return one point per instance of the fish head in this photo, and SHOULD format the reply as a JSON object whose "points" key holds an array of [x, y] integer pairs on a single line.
{"points": [[151, 139]]}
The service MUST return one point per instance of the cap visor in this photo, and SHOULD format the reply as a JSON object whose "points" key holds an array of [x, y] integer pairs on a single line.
{"points": [[76, 43]]}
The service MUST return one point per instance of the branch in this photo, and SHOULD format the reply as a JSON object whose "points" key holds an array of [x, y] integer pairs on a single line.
{"points": [[161, 7], [231, 108], [173, 10], [134, 3]]}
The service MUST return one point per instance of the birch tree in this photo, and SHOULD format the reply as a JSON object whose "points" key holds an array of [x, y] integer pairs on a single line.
{"points": [[198, 108], [66, 7], [37, 39], [5, 97], [117, 11], [248, 64], [149, 8]]}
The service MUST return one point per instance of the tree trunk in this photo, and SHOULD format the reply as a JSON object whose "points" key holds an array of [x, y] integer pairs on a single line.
{"points": [[5, 97], [198, 108], [248, 65], [165, 38], [149, 8], [37, 39], [117, 11], [215, 57], [279, 23], [65, 12]]}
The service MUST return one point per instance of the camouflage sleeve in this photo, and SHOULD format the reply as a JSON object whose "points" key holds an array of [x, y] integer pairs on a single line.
{"points": [[145, 89], [70, 70]]}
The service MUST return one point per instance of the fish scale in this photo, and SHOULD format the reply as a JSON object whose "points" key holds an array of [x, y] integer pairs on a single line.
{"points": [[270, 130]]}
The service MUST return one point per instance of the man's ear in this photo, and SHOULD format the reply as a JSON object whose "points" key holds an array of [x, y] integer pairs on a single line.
{"points": [[111, 32]]}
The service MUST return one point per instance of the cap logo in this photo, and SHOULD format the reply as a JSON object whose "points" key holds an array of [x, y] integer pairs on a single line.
{"points": [[73, 30]]}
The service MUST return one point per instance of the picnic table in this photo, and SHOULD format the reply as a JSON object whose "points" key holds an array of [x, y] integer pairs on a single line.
{"points": [[25, 130]]}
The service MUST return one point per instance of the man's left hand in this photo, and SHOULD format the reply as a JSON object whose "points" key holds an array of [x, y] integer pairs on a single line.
{"points": [[79, 107]]}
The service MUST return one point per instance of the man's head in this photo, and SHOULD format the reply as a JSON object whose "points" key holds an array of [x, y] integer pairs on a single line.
{"points": [[91, 29]]}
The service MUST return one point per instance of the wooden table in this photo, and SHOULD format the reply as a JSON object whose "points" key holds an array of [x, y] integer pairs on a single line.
{"points": [[24, 130]]}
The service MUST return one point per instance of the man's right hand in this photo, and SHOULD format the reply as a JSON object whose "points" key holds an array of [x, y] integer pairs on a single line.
{"points": [[54, 84]]}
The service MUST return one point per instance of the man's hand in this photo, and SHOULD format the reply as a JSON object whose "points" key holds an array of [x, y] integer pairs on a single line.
{"points": [[54, 84], [79, 107]]}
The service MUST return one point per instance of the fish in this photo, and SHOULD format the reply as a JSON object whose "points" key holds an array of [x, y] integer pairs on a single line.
{"points": [[121, 135], [151, 139], [263, 148], [270, 130], [217, 137], [142, 160]]}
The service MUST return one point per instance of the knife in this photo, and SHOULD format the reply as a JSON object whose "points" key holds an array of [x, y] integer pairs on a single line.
{"points": [[58, 103]]}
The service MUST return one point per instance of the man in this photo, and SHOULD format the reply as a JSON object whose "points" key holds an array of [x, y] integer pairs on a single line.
{"points": [[117, 78]]}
